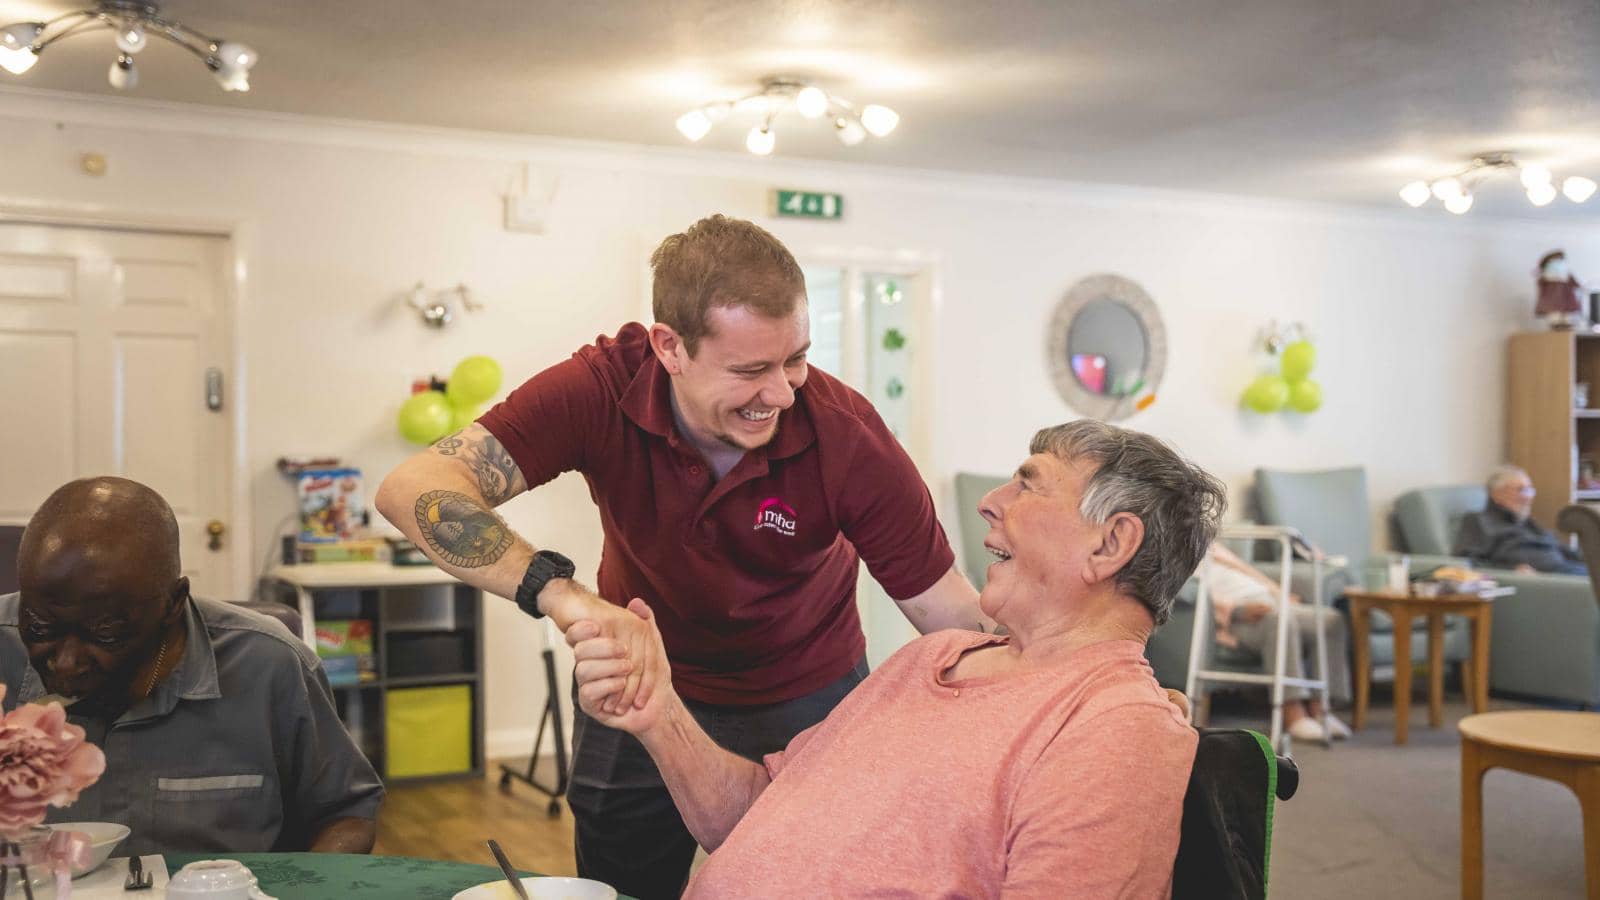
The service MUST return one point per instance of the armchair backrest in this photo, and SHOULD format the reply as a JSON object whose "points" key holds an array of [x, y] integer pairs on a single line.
{"points": [[970, 488], [1584, 522], [10, 543], [1329, 507], [1427, 520]]}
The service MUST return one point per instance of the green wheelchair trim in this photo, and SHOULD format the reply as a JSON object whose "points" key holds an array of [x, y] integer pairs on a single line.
{"points": [[1272, 803], [1226, 843]]}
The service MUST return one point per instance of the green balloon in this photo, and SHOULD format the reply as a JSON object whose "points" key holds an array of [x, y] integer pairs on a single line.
{"points": [[1298, 358], [425, 417], [1305, 396], [462, 416], [474, 380], [1267, 394]]}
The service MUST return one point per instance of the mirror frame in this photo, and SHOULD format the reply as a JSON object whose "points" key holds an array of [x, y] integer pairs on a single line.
{"points": [[1104, 287]]}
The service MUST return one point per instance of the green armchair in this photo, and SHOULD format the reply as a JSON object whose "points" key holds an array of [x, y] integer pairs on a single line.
{"points": [[1330, 508], [1545, 639]]}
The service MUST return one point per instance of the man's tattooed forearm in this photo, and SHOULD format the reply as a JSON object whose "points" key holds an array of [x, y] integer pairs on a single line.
{"points": [[496, 472], [460, 531]]}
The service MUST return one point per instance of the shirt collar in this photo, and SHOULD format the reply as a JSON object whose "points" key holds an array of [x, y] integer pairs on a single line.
{"points": [[648, 402], [195, 678], [1502, 513]]}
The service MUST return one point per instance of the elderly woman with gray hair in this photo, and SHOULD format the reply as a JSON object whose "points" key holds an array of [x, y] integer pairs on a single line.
{"points": [[1044, 763]]}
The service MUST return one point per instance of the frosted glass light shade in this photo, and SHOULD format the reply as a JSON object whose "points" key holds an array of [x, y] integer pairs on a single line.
{"points": [[694, 124], [1578, 188], [760, 141], [1416, 193], [880, 120]]}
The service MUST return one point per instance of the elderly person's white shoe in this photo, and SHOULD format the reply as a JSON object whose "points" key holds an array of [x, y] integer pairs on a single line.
{"points": [[1307, 729]]}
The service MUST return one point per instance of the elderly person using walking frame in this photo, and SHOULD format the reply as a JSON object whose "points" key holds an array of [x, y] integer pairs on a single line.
{"points": [[1044, 763]]}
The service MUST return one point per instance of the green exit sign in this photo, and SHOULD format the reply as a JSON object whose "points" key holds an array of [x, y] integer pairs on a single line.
{"points": [[808, 204]]}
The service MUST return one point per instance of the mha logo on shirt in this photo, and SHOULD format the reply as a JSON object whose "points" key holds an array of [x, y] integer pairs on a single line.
{"points": [[775, 514]]}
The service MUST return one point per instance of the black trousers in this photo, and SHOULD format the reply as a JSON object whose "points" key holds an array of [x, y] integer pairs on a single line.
{"points": [[629, 833]]}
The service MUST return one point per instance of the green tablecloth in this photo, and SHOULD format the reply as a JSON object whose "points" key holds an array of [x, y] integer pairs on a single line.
{"points": [[341, 876]]}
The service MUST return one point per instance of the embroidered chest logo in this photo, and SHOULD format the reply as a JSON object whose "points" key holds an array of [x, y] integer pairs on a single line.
{"points": [[775, 514]]}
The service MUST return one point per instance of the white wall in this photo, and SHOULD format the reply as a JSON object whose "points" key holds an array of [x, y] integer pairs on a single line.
{"points": [[335, 220]]}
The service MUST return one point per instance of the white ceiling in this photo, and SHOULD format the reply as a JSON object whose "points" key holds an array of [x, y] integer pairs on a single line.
{"points": [[1337, 100]]}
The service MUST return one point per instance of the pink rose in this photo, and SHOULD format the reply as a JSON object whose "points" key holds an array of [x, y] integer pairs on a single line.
{"points": [[44, 761]]}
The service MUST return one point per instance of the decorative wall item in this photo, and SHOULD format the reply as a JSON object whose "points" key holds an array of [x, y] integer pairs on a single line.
{"points": [[1291, 386], [1107, 348], [437, 408], [1560, 296], [438, 308], [891, 326]]}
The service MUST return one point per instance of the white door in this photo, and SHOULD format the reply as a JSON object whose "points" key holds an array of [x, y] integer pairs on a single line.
{"points": [[106, 339], [871, 328]]}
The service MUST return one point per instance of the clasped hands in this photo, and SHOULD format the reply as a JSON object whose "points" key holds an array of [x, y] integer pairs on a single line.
{"points": [[624, 680]]}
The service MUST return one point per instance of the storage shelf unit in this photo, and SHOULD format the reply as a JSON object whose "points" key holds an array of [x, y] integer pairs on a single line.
{"points": [[386, 594], [1547, 432]]}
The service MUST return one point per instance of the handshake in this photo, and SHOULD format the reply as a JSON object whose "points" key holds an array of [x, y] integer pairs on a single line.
{"points": [[624, 679]]}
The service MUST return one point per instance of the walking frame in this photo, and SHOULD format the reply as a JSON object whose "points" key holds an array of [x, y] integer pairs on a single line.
{"points": [[1203, 638]]}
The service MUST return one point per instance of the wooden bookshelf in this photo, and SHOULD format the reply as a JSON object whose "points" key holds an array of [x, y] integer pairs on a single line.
{"points": [[1544, 424]]}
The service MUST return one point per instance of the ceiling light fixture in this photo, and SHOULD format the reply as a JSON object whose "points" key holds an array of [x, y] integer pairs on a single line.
{"points": [[134, 22], [1455, 191], [779, 93]]}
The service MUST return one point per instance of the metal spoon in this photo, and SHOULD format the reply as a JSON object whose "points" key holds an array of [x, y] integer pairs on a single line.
{"points": [[505, 866]]}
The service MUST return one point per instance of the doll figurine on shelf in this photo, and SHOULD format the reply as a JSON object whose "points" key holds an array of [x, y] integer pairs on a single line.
{"points": [[1560, 298]]}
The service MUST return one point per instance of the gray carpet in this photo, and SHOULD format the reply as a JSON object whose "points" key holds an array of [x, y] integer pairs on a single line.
{"points": [[1373, 820]]}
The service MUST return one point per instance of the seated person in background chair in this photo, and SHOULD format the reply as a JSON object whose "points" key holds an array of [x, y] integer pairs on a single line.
{"points": [[1503, 536], [1245, 603], [218, 726], [1043, 763]]}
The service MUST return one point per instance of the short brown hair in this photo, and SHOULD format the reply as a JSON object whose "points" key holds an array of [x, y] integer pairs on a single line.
{"points": [[720, 261]]}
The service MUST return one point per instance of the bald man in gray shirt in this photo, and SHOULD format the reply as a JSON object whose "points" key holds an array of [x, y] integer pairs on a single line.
{"points": [[218, 726]]}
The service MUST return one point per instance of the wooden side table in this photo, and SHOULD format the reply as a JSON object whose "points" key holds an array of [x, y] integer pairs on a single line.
{"points": [[1403, 608], [1560, 746]]}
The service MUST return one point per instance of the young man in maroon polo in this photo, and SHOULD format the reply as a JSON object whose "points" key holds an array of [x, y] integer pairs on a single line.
{"points": [[737, 489]]}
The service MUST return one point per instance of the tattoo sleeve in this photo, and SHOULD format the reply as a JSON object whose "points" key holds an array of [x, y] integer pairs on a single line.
{"points": [[490, 462], [462, 532]]}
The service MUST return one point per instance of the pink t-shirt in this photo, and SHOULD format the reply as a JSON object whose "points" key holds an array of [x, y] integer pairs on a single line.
{"points": [[1059, 782]]}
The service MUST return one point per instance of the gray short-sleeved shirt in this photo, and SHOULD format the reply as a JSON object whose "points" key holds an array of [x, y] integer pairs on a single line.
{"points": [[238, 750]]}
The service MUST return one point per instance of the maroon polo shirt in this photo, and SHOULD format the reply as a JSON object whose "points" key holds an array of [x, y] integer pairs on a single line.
{"points": [[752, 578]]}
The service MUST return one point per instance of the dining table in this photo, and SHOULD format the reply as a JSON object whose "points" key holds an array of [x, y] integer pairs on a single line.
{"points": [[352, 876]]}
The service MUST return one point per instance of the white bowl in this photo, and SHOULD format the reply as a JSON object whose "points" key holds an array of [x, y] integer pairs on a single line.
{"points": [[541, 888], [103, 838]]}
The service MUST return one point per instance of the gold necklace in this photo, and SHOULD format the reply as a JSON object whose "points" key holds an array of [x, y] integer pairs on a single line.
{"points": [[161, 657]]}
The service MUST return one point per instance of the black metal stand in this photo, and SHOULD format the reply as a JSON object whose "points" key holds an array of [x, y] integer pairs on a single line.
{"points": [[11, 856], [550, 717]]}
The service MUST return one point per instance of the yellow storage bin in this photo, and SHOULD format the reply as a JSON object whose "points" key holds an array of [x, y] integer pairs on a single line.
{"points": [[428, 730]]}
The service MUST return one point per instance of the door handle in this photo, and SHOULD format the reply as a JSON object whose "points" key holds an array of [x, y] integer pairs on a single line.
{"points": [[216, 530]]}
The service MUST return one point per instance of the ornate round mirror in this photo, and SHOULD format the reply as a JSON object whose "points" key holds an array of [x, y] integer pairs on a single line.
{"points": [[1107, 347]]}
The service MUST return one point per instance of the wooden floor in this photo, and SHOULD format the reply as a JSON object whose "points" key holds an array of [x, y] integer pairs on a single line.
{"points": [[452, 819]]}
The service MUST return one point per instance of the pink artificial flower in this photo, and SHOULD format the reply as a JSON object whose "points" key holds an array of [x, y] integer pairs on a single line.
{"points": [[44, 761]]}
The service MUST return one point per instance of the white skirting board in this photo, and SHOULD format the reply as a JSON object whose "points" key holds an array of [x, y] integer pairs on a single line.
{"points": [[514, 743]]}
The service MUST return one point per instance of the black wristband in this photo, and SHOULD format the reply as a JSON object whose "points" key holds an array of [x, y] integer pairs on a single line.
{"points": [[546, 565]]}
